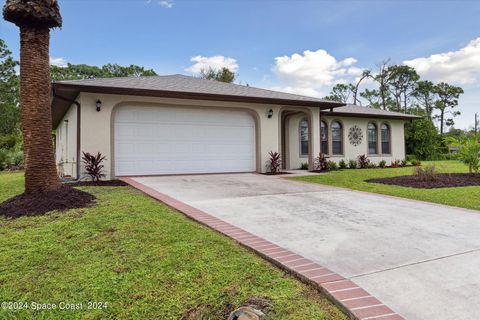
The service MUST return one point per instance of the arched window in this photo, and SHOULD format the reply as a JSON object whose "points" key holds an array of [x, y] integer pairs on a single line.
{"points": [[323, 137], [303, 137], [372, 138], [337, 138], [386, 139]]}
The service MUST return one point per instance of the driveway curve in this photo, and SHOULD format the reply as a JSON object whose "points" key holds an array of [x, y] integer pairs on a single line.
{"points": [[421, 259]]}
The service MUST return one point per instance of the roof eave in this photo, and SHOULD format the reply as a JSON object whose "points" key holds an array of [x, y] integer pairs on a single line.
{"points": [[195, 95], [375, 116]]}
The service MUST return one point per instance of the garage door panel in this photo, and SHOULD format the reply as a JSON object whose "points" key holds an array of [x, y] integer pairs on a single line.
{"points": [[163, 140]]}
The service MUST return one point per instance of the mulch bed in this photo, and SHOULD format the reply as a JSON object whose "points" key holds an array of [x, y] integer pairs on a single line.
{"points": [[106, 183], [275, 174], [30, 205], [444, 180]]}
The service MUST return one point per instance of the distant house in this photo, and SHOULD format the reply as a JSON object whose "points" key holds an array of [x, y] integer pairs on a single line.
{"points": [[179, 124]]}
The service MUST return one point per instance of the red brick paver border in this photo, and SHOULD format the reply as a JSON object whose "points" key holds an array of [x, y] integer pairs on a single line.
{"points": [[355, 301]]}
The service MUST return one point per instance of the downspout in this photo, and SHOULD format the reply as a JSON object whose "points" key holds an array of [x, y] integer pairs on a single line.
{"points": [[78, 126]]}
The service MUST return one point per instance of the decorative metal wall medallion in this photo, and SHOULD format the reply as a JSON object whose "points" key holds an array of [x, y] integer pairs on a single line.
{"points": [[355, 135]]}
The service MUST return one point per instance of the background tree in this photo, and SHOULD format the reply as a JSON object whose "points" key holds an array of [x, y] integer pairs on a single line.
{"points": [[448, 96], [422, 139], [354, 89], [425, 94], [340, 92], [35, 18], [222, 75], [9, 100], [401, 82], [83, 71], [382, 79]]}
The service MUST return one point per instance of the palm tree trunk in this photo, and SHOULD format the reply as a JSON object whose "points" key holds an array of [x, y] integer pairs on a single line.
{"points": [[40, 169]]}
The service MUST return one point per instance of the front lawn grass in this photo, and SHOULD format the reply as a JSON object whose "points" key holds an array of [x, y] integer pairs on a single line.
{"points": [[145, 260], [465, 197]]}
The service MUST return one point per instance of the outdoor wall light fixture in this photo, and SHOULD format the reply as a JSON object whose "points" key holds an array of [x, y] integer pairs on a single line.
{"points": [[99, 105], [270, 113]]}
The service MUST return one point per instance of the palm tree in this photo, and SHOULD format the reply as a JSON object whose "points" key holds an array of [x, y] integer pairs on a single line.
{"points": [[35, 18]]}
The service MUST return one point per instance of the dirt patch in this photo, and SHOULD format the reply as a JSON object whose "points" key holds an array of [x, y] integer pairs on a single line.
{"points": [[444, 180], [29, 205], [106, 183]]}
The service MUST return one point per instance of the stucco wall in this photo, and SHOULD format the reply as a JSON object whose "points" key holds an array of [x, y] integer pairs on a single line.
{"points": [[97, 127], [66, 144], [295, 160]]}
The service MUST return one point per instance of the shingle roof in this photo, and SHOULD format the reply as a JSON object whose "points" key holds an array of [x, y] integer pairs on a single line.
{"points": [[185, 84], [359, 111]]}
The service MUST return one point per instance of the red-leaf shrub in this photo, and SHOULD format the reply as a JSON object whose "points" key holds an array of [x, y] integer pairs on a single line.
{"points": [[93, 166], [274, 163], [363, 161]]}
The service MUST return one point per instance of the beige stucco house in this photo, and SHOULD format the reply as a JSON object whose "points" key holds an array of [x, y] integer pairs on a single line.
{"points": [[179, 124]]}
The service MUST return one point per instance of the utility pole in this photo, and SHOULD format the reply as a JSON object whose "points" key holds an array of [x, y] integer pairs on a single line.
{"points": [[476, 123]]}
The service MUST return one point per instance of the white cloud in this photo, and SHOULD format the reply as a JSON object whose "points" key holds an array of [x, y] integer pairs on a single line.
{"points": [[314, 69], [213, 62], [59, 62], [457, 67], [304, 91], [166, 3]]}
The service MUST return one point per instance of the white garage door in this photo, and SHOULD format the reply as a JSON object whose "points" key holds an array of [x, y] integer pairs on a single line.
{"points": [[164, 140]]}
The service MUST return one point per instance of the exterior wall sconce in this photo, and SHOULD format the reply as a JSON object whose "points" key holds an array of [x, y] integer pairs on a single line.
{"points": [[270, 113], [98, 104]]}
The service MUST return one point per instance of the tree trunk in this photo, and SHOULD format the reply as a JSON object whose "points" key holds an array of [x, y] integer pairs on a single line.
{"points": [[40, 169], [442, 115]]}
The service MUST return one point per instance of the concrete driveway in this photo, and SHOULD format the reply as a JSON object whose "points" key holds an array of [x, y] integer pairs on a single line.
{"points": [[421, 259]]}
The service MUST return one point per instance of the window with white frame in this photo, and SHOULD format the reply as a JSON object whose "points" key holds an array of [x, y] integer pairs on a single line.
{"points": [[323, 137]]}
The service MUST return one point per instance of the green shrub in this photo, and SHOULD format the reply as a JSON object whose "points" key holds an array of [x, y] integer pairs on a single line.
{"points": [[304, 166], [371, 165], [332, 165], [382, 164], [352, 164], [3, 159], [410, 157], [14, 159], [416, 163], [403, 163], [342, 164]]}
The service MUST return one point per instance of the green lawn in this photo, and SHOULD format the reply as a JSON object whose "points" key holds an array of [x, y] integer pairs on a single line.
{"points": [[144, 260], [466, 197]]}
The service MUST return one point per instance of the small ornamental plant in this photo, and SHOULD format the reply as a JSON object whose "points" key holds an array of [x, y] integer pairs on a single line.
{"points": [[342, 164], [395, 164], [352, 164], [274, 163], [332, 165], [93, 165], [429, 173], [363, 161], [382, 164], [320, 163]]}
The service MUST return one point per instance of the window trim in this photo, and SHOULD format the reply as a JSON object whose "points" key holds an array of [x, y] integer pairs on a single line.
{"points": [[377, 151], [389, 138], [342, 129], [303, 155], [325, 122]]}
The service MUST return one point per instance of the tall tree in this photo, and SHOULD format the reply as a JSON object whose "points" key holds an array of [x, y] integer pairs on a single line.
{"points": [[222, 75], [340, 92], [382, 78], [9, 108], [401, 81], [35, 18], [365, 74], [425, 95], [448, 96]]}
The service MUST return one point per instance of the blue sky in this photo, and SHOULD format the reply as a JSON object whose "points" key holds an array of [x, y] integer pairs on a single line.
{"points": [[296, 46]]}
